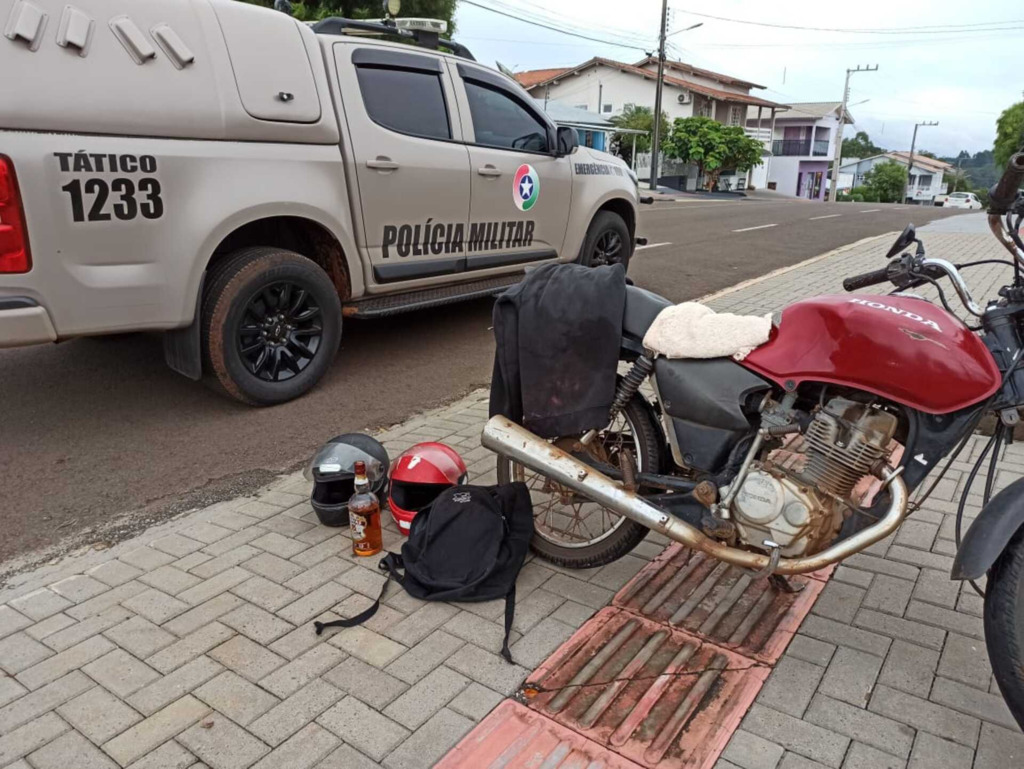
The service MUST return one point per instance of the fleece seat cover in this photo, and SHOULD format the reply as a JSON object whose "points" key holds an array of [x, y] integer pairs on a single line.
{"points": [[691, 330]]}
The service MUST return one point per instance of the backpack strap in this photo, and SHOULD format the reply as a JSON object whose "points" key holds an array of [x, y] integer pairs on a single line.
{"points": [[510, 613], [390, 563]]}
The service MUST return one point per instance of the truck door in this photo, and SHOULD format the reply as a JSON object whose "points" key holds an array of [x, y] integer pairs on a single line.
{"points": [[411, 169], [520, 191]]}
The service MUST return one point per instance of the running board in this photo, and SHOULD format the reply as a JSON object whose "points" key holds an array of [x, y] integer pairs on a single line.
{"points": [[393, 304]]}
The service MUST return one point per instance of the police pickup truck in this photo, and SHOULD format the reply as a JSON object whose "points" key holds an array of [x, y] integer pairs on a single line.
{"points": [[241, 181]]}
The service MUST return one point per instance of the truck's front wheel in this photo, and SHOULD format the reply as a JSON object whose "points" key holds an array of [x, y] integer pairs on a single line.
{"points": [[607, 241], [271, 325]]}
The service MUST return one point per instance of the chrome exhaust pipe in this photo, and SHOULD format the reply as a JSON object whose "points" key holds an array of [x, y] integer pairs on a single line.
{"points": [[505, 437]]}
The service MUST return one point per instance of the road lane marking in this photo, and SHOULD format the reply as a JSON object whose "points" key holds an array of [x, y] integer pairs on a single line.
{"points": [[758, 227], [870, 211], [651, 245], [829, 216]]}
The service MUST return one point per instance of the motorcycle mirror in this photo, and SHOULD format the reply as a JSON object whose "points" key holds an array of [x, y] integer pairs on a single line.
{"points": [[908, 236]]}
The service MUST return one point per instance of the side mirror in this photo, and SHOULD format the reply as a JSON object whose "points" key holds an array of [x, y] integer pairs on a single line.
{"points": [[908, 236], [566, 141]]}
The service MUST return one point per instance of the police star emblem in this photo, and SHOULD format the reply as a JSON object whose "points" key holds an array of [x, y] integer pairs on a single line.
{"points": [[525, 187]]}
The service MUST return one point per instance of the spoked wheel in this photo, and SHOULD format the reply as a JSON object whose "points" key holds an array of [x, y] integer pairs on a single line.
{"points": [[1004, 624], [569, 529], [281, 331], [607, 242]]}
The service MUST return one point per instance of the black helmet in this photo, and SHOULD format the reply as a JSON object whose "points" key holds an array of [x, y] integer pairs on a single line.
{"points": [[333, 474]]}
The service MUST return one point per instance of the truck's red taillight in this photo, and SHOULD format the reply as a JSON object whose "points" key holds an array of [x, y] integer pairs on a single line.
{"points": [[14, 253]]}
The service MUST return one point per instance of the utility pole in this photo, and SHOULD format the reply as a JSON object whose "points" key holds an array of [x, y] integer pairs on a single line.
{"points": [[547, 95], [913, 143], [837, 156], [656, 133], [600, 97]]}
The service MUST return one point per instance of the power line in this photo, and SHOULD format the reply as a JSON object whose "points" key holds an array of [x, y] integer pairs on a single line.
{"points": [[552, 17], [879, 44], [922, 29], [554, 28]]}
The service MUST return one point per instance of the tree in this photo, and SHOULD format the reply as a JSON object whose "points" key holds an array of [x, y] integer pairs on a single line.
{"points": [[860, 146], [1009, 134], [926, 154], [712, 147], [641, 119], [310, 10], [958, 180], [887, 180]]}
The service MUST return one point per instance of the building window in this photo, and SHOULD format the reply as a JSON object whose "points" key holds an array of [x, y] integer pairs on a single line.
{"points": [[735, 115], [705, 109], [606, 108]]}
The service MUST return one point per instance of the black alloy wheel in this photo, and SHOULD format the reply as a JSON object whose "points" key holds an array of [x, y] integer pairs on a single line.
{"points": [[609, 249], [271, 325], [280, 332], [608, 242]]}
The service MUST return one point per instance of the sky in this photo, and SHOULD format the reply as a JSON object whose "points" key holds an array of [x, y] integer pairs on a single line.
{"points": [[962, 78]]}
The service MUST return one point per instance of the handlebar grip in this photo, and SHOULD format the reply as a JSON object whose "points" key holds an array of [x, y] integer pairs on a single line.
{"points": [[867, 279], [1004, 193]]}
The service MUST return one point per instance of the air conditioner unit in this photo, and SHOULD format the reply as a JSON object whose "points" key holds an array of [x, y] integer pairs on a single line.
{"points": [[684, 97]]}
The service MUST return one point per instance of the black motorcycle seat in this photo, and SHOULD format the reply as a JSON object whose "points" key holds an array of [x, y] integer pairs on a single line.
{"points": [[642, 307]]}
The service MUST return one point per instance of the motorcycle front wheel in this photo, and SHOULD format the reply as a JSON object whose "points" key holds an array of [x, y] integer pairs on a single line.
{"points": [[572, 531], [1004, 624]]}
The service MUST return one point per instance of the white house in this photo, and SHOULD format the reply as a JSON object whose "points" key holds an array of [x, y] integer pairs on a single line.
{"points": [[592, 130], [925, 180], [608, 87], [799, 143]]}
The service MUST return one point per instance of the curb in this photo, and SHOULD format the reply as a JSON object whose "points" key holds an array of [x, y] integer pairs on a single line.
{"points": [[799, 265]]}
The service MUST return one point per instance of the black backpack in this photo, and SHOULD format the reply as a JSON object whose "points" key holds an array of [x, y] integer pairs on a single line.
{"points": [[469, 545]]}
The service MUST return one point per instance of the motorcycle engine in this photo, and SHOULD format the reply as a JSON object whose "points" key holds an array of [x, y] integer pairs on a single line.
{"points": [[801, 499]]}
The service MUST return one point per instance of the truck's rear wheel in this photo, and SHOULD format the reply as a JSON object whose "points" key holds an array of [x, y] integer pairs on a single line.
{"points": [[607, 242], [271, 325]]}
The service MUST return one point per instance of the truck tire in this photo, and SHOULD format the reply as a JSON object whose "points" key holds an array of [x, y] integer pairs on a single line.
{"points": [[271, 325], [607, 242]]}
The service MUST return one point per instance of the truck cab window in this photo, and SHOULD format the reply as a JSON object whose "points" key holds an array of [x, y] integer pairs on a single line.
{"points": [[408, 101], [501, 121]]}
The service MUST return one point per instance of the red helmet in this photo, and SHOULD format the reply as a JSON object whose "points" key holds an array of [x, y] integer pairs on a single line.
{"points": [[418, 476]]}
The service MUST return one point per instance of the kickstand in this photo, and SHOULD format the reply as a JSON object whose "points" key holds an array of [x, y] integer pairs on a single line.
{"points": [[783, 585]]}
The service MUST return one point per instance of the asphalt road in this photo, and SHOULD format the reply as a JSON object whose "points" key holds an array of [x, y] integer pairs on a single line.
{"points": [[98, 437]]}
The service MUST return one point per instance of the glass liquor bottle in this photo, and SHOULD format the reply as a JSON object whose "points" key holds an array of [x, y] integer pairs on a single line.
{"points": [[364, 516]]}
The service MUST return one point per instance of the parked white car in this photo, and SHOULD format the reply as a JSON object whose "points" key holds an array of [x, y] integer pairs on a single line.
{"points": [[962, 200]]}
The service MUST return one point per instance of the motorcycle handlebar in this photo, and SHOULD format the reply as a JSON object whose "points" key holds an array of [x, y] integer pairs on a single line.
{"points": [[1004, 193], [866, 279]]}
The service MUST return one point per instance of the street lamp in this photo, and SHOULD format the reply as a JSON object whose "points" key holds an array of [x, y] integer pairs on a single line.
{"points": [[656, 133]]}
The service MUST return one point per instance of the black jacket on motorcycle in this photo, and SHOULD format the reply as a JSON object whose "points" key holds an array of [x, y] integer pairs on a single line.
{"points": [[557, 335]]}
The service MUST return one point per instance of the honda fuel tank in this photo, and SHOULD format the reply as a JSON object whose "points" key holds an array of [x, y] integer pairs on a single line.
{"points": [[904, 349]]}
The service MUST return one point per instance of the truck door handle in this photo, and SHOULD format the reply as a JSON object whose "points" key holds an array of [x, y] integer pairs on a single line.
{"points": [[489, 170], [382, 163]]}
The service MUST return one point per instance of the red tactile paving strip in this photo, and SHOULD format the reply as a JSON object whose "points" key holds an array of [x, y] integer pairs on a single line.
{"points": [[658, 696], [721, 603], [514, 737], [662, 678]]}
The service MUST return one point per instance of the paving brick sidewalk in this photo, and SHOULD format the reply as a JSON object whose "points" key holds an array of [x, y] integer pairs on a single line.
{"points": [[192, 645]]}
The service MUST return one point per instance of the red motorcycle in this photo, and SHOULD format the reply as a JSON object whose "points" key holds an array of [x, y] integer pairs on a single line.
{"points": [[763, 463]]}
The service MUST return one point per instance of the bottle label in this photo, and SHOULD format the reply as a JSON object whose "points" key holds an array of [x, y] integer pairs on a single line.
{"points": [[359, 524]]}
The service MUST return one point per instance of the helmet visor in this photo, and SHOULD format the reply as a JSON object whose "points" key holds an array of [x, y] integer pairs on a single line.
{"points": [[339, 459]]}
